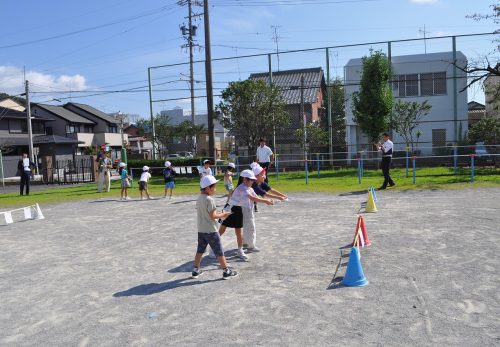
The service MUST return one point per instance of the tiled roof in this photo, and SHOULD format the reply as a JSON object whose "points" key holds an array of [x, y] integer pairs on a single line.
{"points": [[95, 112], [13, 114], [54, 139], [289, 81], [65, 114]]}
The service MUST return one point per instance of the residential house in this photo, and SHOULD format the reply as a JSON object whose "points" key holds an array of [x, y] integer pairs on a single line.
{"points": [[421, 77], [178, 115], [492, 95], [106, 129], [138, 144], [314, 92], [476, 111]]}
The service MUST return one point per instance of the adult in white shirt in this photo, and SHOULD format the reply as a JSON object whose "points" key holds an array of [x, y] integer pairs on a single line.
{"points": [[104, 178], [264, 155], [387, 149], [24, 170]]}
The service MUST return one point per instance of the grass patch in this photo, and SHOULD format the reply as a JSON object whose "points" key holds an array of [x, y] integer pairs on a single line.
{"points": [[330, 181]]}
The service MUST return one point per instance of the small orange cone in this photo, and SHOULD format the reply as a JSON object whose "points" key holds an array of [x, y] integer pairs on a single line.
{"points": [[370, 204], [361, 239]]}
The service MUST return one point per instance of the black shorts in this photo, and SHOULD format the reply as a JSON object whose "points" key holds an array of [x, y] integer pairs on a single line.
{"points": [[212, 239], [143, 185], [235, 220]]}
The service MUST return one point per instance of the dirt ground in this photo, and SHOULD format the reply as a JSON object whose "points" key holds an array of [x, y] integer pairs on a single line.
{"points": [[110, 273]]}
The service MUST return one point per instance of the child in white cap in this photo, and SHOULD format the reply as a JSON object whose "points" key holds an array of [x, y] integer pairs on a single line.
{"points": [[143, 182], [207, 228], [242, 198], [205, 170], [169, 174], [125, 181], [228, 179]]}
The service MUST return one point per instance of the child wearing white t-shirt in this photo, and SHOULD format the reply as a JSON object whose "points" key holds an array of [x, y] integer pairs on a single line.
{"points": [[143, 182]]}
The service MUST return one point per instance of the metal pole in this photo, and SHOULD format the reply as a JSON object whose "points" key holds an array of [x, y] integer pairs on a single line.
{"points": [[124, 150], [191, 69], [359, 170], [303, 113], [1, 169], [455, 96], [276, 164], [28, 113], [329, 106], [208, 78], [414, 168], [407, 156], [472, 168], [317, 163], [269, 61], [151, 115], [455, 160]]}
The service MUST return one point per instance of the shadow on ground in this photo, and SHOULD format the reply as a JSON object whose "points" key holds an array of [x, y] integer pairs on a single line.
{"points": [[155, 288]]}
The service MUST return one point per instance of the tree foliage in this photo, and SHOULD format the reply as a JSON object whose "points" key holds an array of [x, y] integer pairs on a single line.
{"points": [[372, 105], [187, 131], [163, 132], [406, 118], [337, 100], [316, 135], [250, 109], [486, 130]]}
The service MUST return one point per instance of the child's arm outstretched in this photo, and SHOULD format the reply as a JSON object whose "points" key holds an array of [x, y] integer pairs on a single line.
{"points": [[261, 200], [274, 196], [276, 192], [214, 214]]}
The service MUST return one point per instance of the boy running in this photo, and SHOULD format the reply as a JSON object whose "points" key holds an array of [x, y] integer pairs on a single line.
{"points": [[143, 182]]}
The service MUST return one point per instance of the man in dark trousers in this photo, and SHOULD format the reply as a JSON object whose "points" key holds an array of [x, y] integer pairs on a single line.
{"points": [[24, 167], [387, 149]]}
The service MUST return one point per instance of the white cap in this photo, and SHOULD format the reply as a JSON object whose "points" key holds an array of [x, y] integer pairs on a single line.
{"points": [[232, 165], [207, 181], [248, 174], [168, 164], [145, 168], [257, 169], [206, 161], [254, 164], [122, 164]]}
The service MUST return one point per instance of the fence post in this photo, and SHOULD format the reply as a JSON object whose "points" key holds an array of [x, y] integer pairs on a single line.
{"points": [[407, 159], [472, 168], [132, 178], [317, 161], [1, 169], [276, 164], [359, 170], [455, 160], [307, 170], [362, 164], [414, 159]]}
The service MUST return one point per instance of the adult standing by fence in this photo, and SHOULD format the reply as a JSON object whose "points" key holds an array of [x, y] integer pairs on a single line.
{"points": [[387, 149], [104, 171], [24, 167], [264, 155]]}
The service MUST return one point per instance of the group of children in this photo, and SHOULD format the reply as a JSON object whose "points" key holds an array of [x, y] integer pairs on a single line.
{"points": [[168, 175], [238, 213]]}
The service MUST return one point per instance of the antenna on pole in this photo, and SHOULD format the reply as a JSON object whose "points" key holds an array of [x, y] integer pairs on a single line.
{"points": [[276, 39], [425, 37]]}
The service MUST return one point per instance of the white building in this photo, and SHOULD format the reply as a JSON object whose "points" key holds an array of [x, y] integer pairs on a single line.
{"points": [[417, 78]]}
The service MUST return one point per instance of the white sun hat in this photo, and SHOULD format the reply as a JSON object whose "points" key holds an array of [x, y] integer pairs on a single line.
{"points": [[257, 169], [168, 164], [232, 165], [207, 181], [122, 164], [145, 168], [248, 174]]}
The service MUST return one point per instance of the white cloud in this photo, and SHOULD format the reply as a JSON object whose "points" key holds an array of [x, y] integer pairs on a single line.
{"points": [[424, 1], [12, 81]]}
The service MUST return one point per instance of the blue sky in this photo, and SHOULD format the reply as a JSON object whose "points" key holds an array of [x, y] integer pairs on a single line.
{"points": [[66, 47]]}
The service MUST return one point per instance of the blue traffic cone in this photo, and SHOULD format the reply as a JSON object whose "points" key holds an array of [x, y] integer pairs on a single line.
{"points": [[374, 194], [354, 276]]}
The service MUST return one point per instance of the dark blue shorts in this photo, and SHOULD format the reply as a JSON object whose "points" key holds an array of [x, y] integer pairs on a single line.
{"points": [[212, 239]]}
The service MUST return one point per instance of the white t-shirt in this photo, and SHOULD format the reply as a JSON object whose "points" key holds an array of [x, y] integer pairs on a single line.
{"points": [[387, 148], [26, 164], [264, 154], [145, 176], [205, 172], [240, 196]]}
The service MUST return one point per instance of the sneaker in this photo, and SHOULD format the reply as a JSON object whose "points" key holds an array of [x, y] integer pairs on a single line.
{"points": [[241, 254], [196, 274], [252, 249], [392, 184], [228, 274], [128, 198], [381, 188]]}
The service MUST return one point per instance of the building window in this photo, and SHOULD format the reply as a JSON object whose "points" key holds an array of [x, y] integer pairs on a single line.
{"points": [[112, 129], [439, 83], [438, 138], [425, 84], [72, 129], [88, 129], [17, 126], [37, 127], [412, 85]]}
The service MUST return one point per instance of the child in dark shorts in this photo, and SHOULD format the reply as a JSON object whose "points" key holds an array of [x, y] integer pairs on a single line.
{"points": [[207, 228]]}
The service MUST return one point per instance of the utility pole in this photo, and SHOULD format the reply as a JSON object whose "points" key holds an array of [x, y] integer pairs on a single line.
{"points": [[153, 135], [188, 34], [208, 77], [28, 113], [276, 38], [425, 37]]}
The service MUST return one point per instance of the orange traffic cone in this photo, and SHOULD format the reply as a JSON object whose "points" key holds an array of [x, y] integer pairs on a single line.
{"points": [[361, 235]]}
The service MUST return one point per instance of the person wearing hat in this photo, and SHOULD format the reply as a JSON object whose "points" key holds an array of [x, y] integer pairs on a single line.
{"points": [[125, 181], [228, 179], [104, 177], [205, 169], [386, 148], [207, 215], [169, 174], [143, 182], [243, 197]]}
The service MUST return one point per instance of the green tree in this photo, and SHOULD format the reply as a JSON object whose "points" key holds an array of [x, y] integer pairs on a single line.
{"points": [[337, 100], [316, 135], [251, 109], [163, 132], [486, 130], [188, 131], [406, 118], [372, 105]]}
